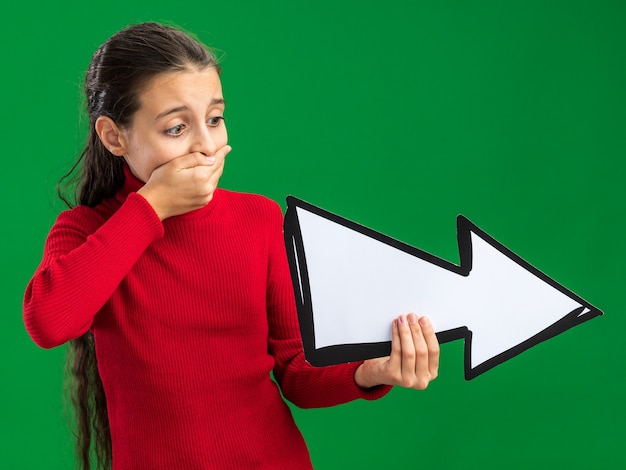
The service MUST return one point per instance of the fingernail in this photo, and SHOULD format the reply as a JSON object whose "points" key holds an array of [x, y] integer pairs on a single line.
{"points": [[412, 318], [210, 159], [425, 321], [401, 319]]}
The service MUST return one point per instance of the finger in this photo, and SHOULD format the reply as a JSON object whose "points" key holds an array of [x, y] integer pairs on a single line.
{"points": [[190, 160], [395, 359], [420, 349], [216, 174], [432, 344], [408, 351], [225, 150], [199, 159], [219, 157]]}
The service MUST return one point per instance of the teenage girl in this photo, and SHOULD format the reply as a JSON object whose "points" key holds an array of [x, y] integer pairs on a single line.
{"points": [[179, 289]]}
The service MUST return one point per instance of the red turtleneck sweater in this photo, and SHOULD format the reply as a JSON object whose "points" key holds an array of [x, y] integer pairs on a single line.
{"points": [[189, 317]]}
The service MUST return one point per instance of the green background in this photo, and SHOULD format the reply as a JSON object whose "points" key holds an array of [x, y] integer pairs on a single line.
{"points": [[398, 115]]}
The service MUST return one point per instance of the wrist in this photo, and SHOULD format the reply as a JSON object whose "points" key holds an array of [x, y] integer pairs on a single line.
{"points": [[150, 197], [364, 376]]}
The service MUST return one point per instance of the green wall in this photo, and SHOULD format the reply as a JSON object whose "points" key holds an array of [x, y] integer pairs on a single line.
{"points": [[398, 115]]}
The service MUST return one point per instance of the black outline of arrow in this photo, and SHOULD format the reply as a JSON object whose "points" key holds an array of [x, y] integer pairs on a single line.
{"points": [[343, 353]]}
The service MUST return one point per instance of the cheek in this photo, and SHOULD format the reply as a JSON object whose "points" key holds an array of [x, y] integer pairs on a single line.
{"points": [[144, 159]]}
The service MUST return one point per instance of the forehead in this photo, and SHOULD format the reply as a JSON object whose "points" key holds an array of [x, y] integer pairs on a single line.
{"points": [[190, 87]]}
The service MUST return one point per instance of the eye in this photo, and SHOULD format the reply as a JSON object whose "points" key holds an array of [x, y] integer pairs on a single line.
{"points": [[215, 121], [176, 130]]}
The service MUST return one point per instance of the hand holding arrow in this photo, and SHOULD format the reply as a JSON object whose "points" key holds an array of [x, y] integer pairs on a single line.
{"points": [[351, 281]]}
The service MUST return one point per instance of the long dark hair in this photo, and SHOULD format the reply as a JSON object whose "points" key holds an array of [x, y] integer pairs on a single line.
{"points": [[118, 71]]}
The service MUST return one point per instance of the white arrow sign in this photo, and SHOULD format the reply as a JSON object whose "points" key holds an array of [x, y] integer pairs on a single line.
{"points": [[351, 281]]}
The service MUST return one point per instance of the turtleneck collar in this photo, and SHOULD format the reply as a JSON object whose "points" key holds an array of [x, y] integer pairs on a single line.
{"points": [[131, 183]]}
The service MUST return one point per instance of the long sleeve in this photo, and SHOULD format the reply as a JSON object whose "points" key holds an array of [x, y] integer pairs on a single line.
{"points": [[85, 258], [189, 316], [302, 384]]}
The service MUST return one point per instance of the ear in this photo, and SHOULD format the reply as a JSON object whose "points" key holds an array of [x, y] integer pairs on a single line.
{"points": [[111, 136]]}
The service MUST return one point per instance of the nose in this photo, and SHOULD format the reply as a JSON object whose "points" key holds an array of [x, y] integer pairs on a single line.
{"points": [[203, 141]]}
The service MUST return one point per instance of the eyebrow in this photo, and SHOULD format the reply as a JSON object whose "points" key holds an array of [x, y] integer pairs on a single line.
{"points": [[178, 109]]}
